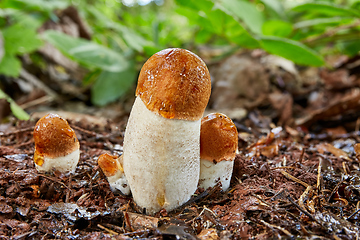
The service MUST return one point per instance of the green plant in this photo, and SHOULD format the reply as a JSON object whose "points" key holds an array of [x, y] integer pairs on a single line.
{"points": [[124, 37], [15, 109]]}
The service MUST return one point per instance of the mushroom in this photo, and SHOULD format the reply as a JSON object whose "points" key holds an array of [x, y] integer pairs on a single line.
{"points": [[114, 172], [56, 145], [162, 137], [218, 147]]}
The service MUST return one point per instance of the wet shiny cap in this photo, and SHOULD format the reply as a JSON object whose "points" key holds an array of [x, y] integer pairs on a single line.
{"points": [[218, 138], [175, 83], [53, 138], [109, 164]]}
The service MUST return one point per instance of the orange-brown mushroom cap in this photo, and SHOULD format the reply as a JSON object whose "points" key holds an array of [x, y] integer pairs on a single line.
{"points": [[53, 137], [218, 138], [175, 83], [109, 164]]}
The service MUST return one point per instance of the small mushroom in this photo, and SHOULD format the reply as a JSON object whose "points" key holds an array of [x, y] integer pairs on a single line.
{"points": [[218, 147], [162, 137], [56, 145], [114, 172]]}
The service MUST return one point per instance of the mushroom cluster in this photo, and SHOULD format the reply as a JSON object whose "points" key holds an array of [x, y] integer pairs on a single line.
{"points": [[168, 149]]}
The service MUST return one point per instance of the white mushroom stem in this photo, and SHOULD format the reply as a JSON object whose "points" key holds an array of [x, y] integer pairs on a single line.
{"points": [[211, 173], [66, 163], [161, 158], [118, 182]]}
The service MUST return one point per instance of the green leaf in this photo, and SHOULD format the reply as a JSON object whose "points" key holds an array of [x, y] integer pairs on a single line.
{"points": [[10, 65], [241, 37], [86, 52], [245, 11], [18, 112], [277, 28], [326, 8], [350, 47], [132, 39], [323, 21], [20, 40], [292, 50], [35, 5], [112, 85], [2, 94], [15, 109], [276, 6]]}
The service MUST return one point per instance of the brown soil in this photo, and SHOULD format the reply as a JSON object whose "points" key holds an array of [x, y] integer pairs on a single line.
{"points": [[285, 185]]}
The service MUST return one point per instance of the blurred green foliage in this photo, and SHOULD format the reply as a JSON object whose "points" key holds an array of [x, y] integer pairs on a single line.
{"points": [[123, 37]]}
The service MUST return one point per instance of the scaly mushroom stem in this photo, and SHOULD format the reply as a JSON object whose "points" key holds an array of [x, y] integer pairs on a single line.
{"points": [[165, 153]]}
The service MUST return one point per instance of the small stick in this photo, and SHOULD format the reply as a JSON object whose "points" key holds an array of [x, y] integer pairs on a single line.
{"points": [[54, 180], [344, 168], [318, 182], [295, 179], [286, 167], [127, 219], [17, 131], [276, 227], [36, 102], [302, 197], [301, 155], [353, 214], [69, 190], [37, 83], [84, 130], [302, 210], [108, 230]]}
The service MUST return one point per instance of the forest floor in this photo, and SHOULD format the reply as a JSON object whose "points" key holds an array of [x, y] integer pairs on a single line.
{"points": [[287, 183]]}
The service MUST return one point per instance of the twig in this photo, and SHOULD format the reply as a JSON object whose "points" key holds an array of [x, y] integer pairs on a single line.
{"points": [[24, 144], [331, 32], [344, 168], [17, 131], [22, 236], [137, 232], [277, 227], [52, 179], [302, 210], [108, 230], [286, 167], [37, 83], [302, 197], [353, 214], [301, 155], [261, 200], [128, 223], [36, 102], [333, 191], [69, 190], [84, 130], [295, 179], [318, 182]]}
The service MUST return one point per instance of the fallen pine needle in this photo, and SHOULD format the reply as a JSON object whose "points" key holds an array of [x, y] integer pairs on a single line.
{"points": [[108, 230], [295, 179], [276, 227]]}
